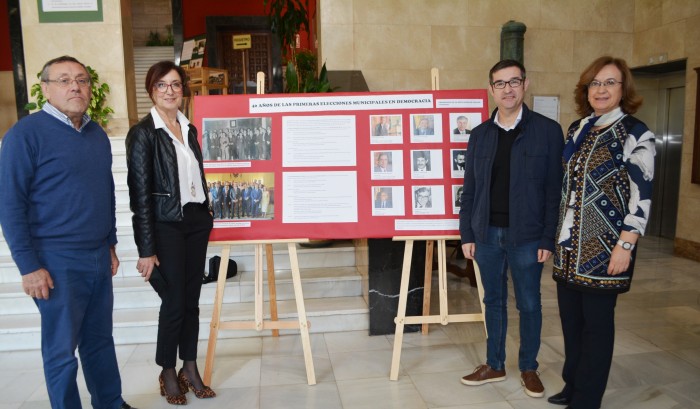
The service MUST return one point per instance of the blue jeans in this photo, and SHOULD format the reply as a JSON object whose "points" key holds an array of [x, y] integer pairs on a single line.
{"points": [[494, 256], [78, 314]]}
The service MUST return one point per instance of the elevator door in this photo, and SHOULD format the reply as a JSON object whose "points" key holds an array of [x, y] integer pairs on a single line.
{"points": [[663, 112]]}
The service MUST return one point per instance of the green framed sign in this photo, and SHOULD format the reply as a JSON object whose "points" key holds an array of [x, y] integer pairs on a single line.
{"points": [[69, 11]]}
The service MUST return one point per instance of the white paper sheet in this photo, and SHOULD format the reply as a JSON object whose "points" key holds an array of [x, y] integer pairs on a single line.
{"points": [[311, 141], [319, 197]]}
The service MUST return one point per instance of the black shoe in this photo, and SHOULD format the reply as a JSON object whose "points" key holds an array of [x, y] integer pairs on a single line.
{"points": [[126, 406], [559, 399]]}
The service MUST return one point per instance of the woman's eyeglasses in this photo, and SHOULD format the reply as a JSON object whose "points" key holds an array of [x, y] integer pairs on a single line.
{"points": [[610, 82], [163, 87]]}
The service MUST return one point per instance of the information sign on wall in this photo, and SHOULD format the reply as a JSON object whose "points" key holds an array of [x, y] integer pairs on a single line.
{"points": [[65, 11]]}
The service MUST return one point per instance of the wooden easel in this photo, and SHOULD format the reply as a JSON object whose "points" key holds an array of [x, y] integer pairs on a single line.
{"points": [[260, 323], [444, 317]]}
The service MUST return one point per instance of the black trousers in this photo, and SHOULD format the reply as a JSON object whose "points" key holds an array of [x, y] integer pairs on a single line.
{"points": [[181, 248], [588, 323]]}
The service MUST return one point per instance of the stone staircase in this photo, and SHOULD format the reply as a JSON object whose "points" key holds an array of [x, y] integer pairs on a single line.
{"points": [[330, 280], [144, 58]]}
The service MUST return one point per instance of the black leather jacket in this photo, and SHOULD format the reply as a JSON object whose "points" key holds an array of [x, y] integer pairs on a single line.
{"points": [[154, 187]]}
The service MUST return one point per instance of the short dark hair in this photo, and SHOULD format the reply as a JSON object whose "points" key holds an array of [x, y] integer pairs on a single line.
{"points": [[421, 154], [160, 70], [58, 60], [506, 64], [630, 102], [422, 189]]}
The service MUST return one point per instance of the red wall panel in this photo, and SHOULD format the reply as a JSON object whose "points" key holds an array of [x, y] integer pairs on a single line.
{"points": [[5, 53], [196, 11]]}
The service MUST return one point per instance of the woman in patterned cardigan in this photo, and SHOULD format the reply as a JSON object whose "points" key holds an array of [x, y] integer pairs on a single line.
{"points": [[606, 196]]}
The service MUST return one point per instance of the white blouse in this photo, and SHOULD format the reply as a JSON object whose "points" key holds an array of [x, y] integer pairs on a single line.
{"points": [[191, 190]]}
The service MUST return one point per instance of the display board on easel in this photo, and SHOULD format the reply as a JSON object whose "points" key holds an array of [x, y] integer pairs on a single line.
{"points": [[340, 165], [192, 55]]}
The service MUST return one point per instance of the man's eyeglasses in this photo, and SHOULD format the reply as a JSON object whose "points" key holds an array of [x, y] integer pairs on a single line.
{"points": [[610, 82], [163, 86], [514, 83], [65, 82]]}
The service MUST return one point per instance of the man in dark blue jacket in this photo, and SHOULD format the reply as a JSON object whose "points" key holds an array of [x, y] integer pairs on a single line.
{"points": [[508, 217]]}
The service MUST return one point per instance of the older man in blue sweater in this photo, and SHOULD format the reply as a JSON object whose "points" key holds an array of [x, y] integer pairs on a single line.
{"points": [[57, 211]]}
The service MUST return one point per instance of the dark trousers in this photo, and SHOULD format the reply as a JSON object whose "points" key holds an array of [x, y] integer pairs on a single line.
{"points": [[588, 323], [226, 209], [78, 314], [236, 209], [246, 207], [182, 250]]}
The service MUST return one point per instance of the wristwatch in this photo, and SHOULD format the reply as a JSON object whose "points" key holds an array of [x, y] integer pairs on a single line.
{"points": [[625, 244]]}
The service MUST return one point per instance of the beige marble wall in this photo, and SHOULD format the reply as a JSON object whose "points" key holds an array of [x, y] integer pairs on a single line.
{"points": [[396, 42], [672, 29], [97, 44], [8, 111]]}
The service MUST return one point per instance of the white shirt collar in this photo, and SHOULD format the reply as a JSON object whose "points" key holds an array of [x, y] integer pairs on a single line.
{"points": [[517, 120], [159, 123], [54, 112]]}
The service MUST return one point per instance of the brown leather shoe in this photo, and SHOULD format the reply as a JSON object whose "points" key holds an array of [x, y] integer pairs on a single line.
{"points": [[484, 374], [532, 384]]}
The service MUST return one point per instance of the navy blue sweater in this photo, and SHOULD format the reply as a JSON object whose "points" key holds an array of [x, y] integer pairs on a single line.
{"points": [[56, 189]]}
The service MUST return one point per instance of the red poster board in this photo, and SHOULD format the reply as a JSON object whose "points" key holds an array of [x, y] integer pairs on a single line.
{"points": [[339, 165]]}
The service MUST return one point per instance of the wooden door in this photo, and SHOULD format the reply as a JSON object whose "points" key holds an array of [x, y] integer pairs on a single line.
{"points": [[259, 58]]}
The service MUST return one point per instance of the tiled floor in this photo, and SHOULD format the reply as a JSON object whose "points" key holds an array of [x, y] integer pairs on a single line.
{"points": [[656, 364]]}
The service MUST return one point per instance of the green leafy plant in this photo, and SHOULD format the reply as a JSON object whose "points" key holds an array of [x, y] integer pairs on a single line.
{"points": [[170, 39], [287, 18], [154, 39], [97, 110], [305, 79]]}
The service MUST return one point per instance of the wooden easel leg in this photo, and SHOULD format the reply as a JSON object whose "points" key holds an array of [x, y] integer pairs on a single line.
{"points": [[301, 312], [427, 283], [216, 314], [401, 312], [271, 286], [442, 280], [259, 284], [480, 290]]}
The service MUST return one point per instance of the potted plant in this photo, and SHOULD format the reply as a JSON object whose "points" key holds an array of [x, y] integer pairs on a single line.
{"points": [[302, 77], [287, 18], [154, 39]]}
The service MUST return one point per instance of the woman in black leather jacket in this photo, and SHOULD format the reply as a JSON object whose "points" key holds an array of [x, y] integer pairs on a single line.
{"points": [[172, 223]]}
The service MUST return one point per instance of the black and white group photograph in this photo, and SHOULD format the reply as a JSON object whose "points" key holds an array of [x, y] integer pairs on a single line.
{"points": [[232, 139]]}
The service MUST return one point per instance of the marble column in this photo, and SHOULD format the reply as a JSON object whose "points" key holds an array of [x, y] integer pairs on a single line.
{"points": [[385, 264], [18, 68]]}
